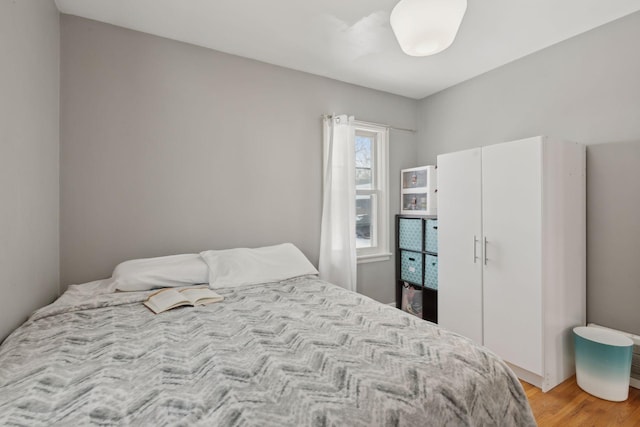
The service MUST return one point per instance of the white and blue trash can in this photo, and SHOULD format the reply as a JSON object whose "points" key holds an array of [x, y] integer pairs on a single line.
{"points": [[603, 362]]}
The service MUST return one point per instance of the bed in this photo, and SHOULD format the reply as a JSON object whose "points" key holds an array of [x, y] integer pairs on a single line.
{"points": [[297, 352]]}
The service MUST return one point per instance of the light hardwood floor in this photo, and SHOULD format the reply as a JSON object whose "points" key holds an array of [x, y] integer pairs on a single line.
{"points": [[567, 406]]}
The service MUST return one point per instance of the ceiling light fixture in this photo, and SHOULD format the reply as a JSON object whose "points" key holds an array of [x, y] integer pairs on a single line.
{"points": [[427, 27]]}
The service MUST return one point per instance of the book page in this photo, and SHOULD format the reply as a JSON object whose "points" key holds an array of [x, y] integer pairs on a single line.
{"points": [[201, 296], [167, 298]]}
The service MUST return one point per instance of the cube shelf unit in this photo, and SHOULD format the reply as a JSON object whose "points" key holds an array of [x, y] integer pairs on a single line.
{"points": [[417, 261]]}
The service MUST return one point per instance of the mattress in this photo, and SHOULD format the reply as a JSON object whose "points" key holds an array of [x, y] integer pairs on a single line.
{"points": [[301, 352]]}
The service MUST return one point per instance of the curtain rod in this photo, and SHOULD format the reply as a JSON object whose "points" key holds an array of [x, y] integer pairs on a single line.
{"points": [[330, 116]]}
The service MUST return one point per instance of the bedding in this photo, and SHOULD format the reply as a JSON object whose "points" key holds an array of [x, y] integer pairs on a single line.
{"points": [[300, 352], [160, 272], [244, 266]]}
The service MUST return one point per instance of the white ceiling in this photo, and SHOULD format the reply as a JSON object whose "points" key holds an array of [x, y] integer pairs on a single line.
{"points": [[351, 40]]}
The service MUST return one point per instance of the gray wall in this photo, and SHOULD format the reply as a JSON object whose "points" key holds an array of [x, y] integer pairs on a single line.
{"points": [[170, 148], [29, 145], [585, 89], [613, 240]]}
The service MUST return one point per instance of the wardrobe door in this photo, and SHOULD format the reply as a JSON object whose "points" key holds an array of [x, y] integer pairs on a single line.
{"points": [[459, 251], [512, 206]]}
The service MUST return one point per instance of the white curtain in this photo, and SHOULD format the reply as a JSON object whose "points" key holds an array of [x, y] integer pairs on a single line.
{"points": [[337, 263]]}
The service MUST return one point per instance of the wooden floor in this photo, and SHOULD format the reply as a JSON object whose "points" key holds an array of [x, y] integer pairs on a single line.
{"points": [[567, 405]]}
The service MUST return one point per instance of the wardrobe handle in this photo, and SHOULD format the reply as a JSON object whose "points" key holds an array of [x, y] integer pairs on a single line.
{"points": [[475, 249], [485, 251]]}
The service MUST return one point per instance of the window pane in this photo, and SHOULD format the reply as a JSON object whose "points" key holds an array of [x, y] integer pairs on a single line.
{"points": [[364, 162], [371, 217], [364, 216]]}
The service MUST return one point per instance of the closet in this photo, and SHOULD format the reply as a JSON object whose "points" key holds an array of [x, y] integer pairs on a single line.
{"points": [[512, 252]]}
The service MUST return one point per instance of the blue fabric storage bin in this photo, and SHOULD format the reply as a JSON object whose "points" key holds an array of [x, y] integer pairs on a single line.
{"points": [[411, 267], [431, 235], [410, 234], [431, 271]]}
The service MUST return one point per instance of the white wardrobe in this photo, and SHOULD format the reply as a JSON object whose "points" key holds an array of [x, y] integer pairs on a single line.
{"points": [[512, 252]]}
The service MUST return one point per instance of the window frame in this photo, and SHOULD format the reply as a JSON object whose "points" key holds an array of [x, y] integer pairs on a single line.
{"points": [[380, 183]]}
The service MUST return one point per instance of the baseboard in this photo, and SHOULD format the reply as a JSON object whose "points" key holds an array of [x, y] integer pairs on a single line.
{"points": [[523, 374], [535, 379]]}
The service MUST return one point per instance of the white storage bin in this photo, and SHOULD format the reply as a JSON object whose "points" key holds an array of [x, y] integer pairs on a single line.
{"points": [[418, 191]]}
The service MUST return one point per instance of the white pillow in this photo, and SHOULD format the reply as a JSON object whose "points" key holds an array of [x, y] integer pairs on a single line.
{"points": [[243, 266], [161, 272]]}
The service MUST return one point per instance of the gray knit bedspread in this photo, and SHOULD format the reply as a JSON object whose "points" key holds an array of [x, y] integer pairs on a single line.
{"points": [[302, 352]]}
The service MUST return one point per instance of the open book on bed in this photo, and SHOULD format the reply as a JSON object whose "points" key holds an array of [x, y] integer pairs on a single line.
{"points": [[167, 299]]}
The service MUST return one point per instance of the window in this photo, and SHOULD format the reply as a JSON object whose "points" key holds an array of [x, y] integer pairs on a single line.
{"points": [[372, 206]]}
